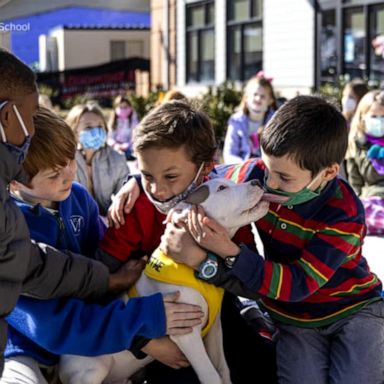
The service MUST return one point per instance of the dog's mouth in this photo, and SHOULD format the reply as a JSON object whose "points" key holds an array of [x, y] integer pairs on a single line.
{"points": [[273, 198]]}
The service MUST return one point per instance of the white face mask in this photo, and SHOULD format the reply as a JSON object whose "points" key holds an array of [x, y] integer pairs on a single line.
{"points": [[165, 206], [374, 126], [348, 104], [19, 152]]}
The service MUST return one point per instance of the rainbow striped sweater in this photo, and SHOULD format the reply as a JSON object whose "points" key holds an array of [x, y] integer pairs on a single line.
{"points": [[313, 272]]}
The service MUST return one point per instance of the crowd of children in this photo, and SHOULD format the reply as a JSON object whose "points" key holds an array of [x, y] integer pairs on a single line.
{"points": [[312, 280]]}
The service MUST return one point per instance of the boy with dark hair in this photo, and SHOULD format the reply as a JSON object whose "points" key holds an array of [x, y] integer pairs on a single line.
{"points": [[313, 281], [62, 213], [175, 147]]}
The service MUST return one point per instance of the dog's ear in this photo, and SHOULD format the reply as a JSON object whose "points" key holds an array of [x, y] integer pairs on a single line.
{"points": [[198, 196]]}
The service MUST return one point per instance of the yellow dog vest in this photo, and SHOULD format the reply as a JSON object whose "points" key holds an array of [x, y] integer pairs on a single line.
{"points": [[162, 268]]}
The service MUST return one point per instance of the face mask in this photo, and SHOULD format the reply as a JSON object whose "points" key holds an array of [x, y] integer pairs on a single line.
{"points": [[295, 198], [374, 126], [93, 138], [124, 112], [348, 104], [165, 206], [19, 152]]}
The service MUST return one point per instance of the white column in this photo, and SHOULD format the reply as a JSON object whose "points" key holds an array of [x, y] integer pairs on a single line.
{"points": [[180, 43], [220, 41]]}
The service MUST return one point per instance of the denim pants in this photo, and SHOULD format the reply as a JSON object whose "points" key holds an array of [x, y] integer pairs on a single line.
{"points": [[349, 351]]}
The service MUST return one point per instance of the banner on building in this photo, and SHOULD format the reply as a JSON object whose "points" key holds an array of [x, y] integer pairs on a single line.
{"points": [[101, 81]]}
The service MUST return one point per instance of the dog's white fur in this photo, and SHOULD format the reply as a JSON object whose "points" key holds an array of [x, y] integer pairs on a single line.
{"points": [[233, 206]]}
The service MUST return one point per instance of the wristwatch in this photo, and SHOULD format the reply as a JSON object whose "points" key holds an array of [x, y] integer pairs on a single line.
{"points": [[230, 261], [208, 268]]}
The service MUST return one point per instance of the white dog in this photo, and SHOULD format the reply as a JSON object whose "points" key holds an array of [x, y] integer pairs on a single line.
{"points": [[233, 206]]}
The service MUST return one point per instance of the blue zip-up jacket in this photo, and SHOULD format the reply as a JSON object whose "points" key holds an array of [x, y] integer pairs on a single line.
{"points": [[45, 329]]}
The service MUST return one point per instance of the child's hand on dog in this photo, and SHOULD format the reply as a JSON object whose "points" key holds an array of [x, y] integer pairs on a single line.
{"points": [[180, 317], [122, 203], [178, 244], [209, 234], [167, 352], [127, 275]]}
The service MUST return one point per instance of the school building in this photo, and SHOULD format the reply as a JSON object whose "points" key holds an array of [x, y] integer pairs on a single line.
{"points": [[300, 43]]}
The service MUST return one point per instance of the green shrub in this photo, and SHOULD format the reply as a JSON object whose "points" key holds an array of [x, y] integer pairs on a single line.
{"points": [[142, 105], [220, 103]]}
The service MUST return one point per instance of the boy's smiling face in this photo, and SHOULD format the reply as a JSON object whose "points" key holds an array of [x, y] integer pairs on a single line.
{"points": [[48, 186], [166, 172], [284, 174]]}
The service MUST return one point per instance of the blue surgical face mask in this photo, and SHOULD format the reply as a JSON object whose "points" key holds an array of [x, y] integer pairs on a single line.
{"points": [[165, 206], [93, 138], [19, 152], [374, 126]]}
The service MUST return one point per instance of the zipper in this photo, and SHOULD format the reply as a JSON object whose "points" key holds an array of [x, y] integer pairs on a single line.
{"points": [[60, 222]]}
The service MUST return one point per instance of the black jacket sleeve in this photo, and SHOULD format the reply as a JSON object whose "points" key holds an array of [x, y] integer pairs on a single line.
{"points": [[52, 273]]}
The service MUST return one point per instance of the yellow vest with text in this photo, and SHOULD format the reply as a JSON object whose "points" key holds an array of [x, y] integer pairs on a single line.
{"points": [[162, 268]]}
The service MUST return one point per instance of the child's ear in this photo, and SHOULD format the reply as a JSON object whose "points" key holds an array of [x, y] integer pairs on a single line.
{"points": [[331, 171], [14, 186], [208, 167], [6, 116]]}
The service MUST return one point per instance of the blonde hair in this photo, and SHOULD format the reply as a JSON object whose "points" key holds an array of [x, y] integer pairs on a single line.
{"points": [[75, 114], [357, 130], [53, 144]]}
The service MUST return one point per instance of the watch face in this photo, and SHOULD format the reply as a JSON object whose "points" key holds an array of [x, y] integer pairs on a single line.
{"points": [[209, 270]]}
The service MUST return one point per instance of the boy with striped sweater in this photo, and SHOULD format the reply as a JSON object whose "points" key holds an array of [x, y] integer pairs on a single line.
{"points": [[314, 280]]}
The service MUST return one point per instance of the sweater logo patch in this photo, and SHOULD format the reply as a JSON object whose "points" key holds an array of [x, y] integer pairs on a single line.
{"points": [[77, 223]]}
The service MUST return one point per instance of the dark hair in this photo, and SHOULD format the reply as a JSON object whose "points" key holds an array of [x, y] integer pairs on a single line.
{"points": [[359, 88], [310, 129], [112, 122], [16, 78], [174, 124]]}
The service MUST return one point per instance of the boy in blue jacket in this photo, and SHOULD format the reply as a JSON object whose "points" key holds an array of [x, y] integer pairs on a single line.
{"points": [[63, 214]]}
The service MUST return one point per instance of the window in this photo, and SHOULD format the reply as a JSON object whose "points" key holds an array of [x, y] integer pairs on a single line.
{"points": [[351, 41], [328, 45], [117, 50], [376, 39], [354, 42], [245, 39], [135, 48], [200, 42]]}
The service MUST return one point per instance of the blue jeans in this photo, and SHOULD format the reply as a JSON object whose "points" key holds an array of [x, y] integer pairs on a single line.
{"points": [[349, 351]]}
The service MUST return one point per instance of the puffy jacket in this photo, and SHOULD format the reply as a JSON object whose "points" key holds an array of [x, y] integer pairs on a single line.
{"points": [[362, 175], [36, 269]]}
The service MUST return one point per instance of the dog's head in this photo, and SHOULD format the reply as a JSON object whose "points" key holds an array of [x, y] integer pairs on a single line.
{"points": [[231, 205]]}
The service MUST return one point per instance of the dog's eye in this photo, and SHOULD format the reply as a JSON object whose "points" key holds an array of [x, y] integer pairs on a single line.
{"points": [[221, 187]]}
